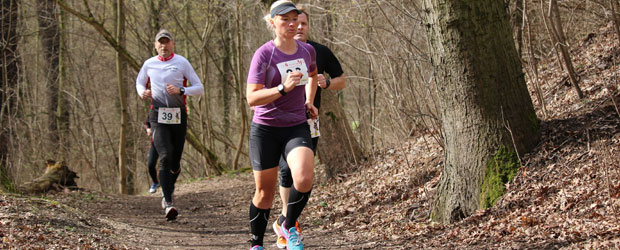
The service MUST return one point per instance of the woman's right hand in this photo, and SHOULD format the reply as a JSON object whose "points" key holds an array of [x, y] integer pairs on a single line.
{"points": [[292, 80]]}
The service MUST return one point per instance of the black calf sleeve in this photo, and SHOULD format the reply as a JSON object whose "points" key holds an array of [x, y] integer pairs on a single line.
{"points": [[296, 204], [281, 219], [167, 181], [258, 223]]}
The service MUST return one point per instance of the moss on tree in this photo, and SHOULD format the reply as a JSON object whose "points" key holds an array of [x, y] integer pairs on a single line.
{"points": [[500, 169]]}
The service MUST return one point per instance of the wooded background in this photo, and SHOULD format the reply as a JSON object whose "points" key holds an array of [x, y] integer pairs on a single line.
{"points": [[69, 69]]}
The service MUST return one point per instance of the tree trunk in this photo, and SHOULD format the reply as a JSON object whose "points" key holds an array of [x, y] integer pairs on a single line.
{"points": [[62, 109], [227, 79], [614, 16], [337, 145], [240, 86], [56, 176], [488, 120], [50, 40], [9, 73], [516, 19], [558, 32], [125, 176], [533, 63]]}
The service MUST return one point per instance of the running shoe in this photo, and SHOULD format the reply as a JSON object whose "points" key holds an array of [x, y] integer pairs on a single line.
{"points": [[292, 238], [281, 241], [257, 247], [153, 188], [171, 212], [276, 229]]}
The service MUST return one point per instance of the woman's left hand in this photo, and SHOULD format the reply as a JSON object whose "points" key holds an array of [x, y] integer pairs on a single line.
{"points": [[312, 111]]}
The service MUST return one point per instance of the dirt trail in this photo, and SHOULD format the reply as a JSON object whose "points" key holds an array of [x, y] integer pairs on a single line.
{"points": [[213, 214]]}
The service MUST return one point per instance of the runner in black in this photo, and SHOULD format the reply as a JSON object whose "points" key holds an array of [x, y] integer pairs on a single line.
{"points": [[151, 158], [168, 74], [325, 62]]}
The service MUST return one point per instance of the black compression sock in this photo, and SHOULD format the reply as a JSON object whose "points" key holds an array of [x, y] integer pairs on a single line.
{"points": [[281, 219], [258, 223], [296, 203], [166, 180]]}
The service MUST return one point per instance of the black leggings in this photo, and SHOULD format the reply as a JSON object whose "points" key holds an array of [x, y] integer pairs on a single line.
{"points": [[151, 162], [169, 140]]}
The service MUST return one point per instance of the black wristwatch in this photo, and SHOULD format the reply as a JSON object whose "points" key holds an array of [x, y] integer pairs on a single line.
{"points": [[327, 83], [182, 90], [281, 89]]}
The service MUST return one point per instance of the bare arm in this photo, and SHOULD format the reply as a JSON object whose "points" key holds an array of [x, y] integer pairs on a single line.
{"points": [[310, 92], [258, 95], [337, 83]]}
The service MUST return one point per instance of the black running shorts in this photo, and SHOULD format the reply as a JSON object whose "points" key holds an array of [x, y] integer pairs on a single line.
{"points": [[268, 144]]}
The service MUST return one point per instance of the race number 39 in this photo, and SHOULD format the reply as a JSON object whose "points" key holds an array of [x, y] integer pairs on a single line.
{"points": [[169, 116]]}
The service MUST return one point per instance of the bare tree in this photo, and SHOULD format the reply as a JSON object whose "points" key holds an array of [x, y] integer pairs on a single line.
{"points": [[9, 73], [240, 83], [487, 113], [613, 5], [49, 33], [516, 18], [125, 175], [557, 32]]}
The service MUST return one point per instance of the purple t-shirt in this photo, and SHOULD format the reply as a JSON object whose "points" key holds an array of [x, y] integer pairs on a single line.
{"points": [[269, 66]]}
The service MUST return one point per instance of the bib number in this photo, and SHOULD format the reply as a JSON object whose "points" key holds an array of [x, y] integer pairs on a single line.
{"points": [[169, 116], [294, 65], [314, 127]]}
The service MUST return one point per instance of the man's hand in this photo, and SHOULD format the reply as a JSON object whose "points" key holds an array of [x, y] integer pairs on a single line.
{"points": [[172, 90], [149, 132], [146, 94], [320, 79]]}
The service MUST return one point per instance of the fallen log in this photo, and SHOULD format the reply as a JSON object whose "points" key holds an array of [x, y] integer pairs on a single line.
{"points": [[57, 176]]}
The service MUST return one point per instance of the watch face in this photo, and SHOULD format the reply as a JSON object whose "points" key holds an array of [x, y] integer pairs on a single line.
{"points": [[280, 87]]}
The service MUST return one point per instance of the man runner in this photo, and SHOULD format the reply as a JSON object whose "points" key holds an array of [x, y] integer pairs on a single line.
{"points": [[168, 74]]}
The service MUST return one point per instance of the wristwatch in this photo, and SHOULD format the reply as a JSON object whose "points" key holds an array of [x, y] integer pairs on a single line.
{"points": [[182, 90], [281, 89], [327, 83]]}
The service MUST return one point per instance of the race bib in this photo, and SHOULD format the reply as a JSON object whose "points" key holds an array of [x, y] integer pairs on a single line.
{"points": [[314, 127], [169, 116], [294, 65]]}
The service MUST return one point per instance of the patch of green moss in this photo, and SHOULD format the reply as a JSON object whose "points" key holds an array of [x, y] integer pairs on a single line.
{"points": [[331, 115], [6, 184], [500, 169]]}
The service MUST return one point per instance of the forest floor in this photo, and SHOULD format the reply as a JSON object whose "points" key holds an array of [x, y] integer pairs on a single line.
{"points": [[566, 195]]}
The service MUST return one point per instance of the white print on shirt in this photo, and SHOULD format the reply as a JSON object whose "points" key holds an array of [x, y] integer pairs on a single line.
{"points": [[172, 68], [294, 65]]}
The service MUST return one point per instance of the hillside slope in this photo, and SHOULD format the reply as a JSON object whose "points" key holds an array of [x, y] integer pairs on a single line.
{"points": [[566, 195]]}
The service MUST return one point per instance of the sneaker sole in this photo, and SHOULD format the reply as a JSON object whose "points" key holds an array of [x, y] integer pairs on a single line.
{"points": [[275, 229], [280, 245], [172, 214]]}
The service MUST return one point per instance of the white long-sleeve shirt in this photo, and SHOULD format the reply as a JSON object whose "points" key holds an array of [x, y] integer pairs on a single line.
{"points": [[174, 70]]}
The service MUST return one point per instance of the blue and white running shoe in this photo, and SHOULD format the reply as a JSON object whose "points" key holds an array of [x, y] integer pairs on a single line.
{"points": [[292, 238]]}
